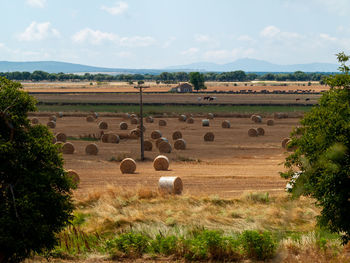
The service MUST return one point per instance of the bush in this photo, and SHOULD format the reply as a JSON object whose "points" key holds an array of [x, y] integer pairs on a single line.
{"points": [[258, 245]]}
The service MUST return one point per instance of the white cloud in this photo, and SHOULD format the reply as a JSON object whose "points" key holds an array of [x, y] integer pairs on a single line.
{"points": [[328, 37], [36, 3], [206, 39], [202, 38], [2, 45], [270, 31], [38, 31], [168, 42], [190, 52], [97, 37], [117, 9]]}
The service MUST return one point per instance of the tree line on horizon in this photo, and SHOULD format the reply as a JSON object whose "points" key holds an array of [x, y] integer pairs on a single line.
{"points": [[164, 77]]}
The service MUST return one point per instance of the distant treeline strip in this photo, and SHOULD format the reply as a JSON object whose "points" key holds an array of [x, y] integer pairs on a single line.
{"points": [[165, 77]]}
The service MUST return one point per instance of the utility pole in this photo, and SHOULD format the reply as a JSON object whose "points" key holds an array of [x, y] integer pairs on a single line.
{"points": [[140, 87]]}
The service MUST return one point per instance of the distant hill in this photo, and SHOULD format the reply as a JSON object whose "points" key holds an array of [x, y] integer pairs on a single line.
{"points": [[247, 65], [254, 65], [56, 67]]}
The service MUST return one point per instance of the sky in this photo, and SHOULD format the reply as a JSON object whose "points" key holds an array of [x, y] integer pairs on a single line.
{"points": [[161, 33]]}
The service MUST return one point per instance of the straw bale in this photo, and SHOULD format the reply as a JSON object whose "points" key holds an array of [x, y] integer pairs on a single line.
{"points": [[135, 133], [253, 132], [182, 117], [51, 124], [226, 124], [68, 148], [123, 126], [162, 139], [90, 118], [180, 144], [164, 147], [170, 185], [162, 123], [209, 137], [147, 145], [261, 131], [103, 125], [126, 116], [61, 137], [210, 116], [104, 137], [113, 138], [53, 118], [91, 149], [134, 120], [270, 122], [124, 136], [74, 176], [149, 119], [156, 134], [205, 123], [177, 135], [143, 128], [284, 142], [128, 166], [190, 120], [35, 121], [161, 163]]}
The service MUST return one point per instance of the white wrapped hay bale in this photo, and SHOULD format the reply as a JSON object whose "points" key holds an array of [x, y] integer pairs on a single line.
{"points": [[95, 115], [205, 123], [170, 185], [161, 163], [128, 166], [60, 114]]}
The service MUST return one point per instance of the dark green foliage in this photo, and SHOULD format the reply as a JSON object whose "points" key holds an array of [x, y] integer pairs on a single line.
{"points": [[35, 200], [322, 155], [131, 244], [258, 245], [197, 80]]}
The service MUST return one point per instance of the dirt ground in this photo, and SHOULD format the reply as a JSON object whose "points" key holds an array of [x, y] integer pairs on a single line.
{"points": [[232, 164]]}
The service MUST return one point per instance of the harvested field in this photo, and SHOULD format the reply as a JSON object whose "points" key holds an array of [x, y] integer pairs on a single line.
{"points": [[230, 165]]}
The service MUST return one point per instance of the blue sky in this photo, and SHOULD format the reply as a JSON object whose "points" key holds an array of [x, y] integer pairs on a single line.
{"points": [[160, 33]]}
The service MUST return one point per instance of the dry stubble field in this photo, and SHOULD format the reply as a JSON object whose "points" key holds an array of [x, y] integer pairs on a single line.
{"points": [[231, 165]]}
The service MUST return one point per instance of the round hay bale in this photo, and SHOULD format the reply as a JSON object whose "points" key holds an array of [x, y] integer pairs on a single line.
{"points": [[161, 163], [226, 124], [68, 148], [270, 122], [170, 185], [143, 128], [73, 175], [177, 135], [60, 145], [95, 115], [180, 144], [149, 119], [126, 116], [156, 134], [134, 121], [104, 137], [205, 123], [209, 137], [164, 147], [103, 125], [133, 116], [35, 121], [253, 132], [51, 124], [256, 118], [182, 117], [53, 118], [210, 116], [61, 137], [123, 126], [113, 138], [284, 142], [135, 133], [162, 139], [90, 118], [60, 114], [91, 149], [261, 131], [147, 145], [123, 136], [190, 120], [54, 140], [128, 166], [162, 123]]}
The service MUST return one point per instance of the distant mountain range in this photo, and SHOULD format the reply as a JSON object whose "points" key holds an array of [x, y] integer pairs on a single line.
{"points": [[247, 65]]}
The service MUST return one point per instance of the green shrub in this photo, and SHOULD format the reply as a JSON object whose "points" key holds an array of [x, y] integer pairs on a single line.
{"points": [[258, 245], [165, 245], [131, 244]]}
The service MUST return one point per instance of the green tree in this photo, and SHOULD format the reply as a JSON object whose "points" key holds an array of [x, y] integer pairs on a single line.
{"points": [[35, 200], [322, 156], [197, 80]]}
